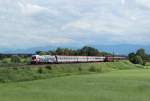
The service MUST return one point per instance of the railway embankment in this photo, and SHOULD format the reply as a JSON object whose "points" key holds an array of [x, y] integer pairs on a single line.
{"points": [[17, 73]]}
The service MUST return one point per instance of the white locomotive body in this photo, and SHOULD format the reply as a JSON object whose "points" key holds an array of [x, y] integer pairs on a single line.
{"points": [[43, 59]]}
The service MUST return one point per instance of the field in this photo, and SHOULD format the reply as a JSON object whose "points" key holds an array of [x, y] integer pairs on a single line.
{"points": [[20, 72], [121, 85]]}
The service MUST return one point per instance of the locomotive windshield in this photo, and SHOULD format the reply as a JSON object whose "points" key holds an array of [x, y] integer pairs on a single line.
{"points": [[33, 58]]}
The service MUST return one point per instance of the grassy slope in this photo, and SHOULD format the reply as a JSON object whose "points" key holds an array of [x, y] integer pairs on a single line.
{"points": [[9, 73], [124, 85], [115, 65]]}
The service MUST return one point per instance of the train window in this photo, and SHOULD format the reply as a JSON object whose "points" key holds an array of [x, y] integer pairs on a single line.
{"points": [[33, 58]]}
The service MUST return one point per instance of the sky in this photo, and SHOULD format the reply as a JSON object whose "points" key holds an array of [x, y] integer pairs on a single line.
{"points": [[33, 23]]}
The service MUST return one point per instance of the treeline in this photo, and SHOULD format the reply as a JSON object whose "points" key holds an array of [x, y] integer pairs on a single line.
{"points": [[26, 58], [139, 57], [85, 51], [15, 58]]}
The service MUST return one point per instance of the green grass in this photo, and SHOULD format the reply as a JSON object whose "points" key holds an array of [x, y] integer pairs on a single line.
{"points": [[122, 85], [22, 72]]}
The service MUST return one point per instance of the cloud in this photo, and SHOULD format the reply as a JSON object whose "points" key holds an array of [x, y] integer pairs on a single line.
{"points": [[31, 9], [26, 39], [123, 1], [47, 22], [143, 3]]}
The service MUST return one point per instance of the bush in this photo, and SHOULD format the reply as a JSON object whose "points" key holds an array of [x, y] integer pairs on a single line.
{"points": [[80, 69], [25, 60], [100, 70], [40, 70], [49, 67], [5, 61], [92, 69], [15, 59]]}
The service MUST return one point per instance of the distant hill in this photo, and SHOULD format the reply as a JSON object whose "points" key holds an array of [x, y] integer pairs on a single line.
{"points": [[118, 49]]}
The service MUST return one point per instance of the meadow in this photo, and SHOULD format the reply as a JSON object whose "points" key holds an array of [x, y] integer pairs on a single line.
{"points": [[121, 85], [109, 81], [23, 72]]}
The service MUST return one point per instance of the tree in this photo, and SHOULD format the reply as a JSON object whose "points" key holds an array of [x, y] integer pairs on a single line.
{"points": [[145, 57], [59, 51], [85, 51], [140, 57], [65, 51], [106, 54], [138, 60], [15, 59], [89, 51], [141, 52], [132, 57], [42, 53], [2, 56], [51, 52], [135, 59]]}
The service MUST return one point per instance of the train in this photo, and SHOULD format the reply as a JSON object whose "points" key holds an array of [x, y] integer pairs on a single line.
{"points": [[56, 59]]}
